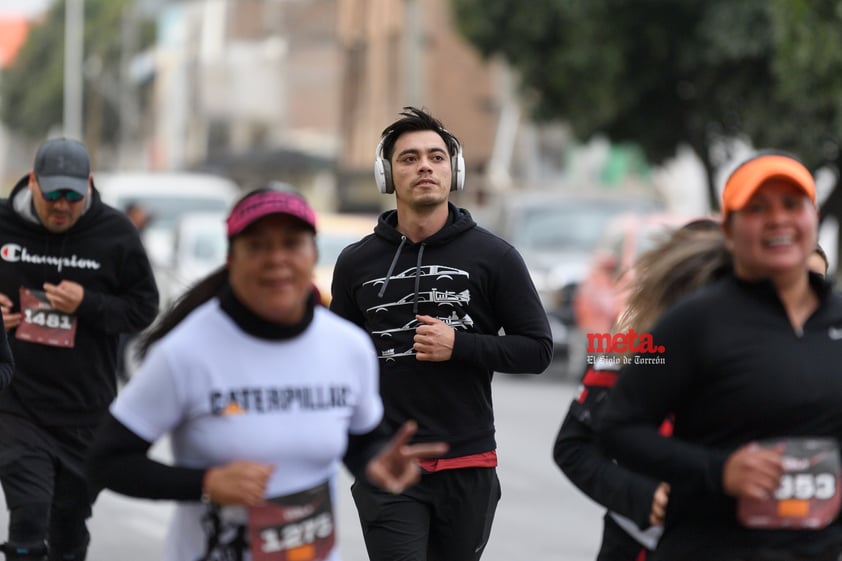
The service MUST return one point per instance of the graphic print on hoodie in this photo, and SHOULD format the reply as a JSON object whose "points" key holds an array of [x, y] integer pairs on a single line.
{"points": [[444, 301], [469, 279]]}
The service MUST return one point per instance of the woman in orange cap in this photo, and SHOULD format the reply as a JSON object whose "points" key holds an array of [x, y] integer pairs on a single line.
{"points": [[746, 366]]}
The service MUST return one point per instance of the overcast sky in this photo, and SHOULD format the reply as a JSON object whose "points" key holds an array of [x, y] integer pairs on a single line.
{"points": [[24, 7]]}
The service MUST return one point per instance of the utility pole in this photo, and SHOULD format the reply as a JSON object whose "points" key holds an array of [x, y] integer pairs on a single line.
{"points": [[128, 104], [414, 65], [74, 25]]}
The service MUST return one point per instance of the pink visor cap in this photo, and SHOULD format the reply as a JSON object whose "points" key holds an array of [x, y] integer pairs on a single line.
{"points": [[252, 208]]}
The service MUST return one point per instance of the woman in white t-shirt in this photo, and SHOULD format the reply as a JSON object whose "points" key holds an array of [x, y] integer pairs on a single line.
{"points": [[262, 392]]}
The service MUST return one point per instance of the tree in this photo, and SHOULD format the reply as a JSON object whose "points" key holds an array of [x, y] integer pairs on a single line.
{"points": [[31, 90], [659, 73], [804, 113]]}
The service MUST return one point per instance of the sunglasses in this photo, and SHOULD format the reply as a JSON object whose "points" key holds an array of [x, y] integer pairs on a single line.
{"points": [[69, 195]]}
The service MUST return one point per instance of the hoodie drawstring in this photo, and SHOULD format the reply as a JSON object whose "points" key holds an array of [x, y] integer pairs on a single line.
{"points": [[417, 278], [392, 267]]}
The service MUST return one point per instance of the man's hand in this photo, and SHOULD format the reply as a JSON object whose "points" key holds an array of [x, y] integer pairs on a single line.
{"points": [[237, 483], [65, 296], [10, 320], [659, 504], [396, 467], [753, 472], [433, 340]]}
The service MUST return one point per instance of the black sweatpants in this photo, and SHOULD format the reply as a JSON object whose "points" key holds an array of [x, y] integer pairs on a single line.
{"points": [[447, 516], [46, 493]]}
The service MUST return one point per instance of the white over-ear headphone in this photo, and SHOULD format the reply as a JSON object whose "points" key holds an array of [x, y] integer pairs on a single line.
{"points": [[383, 170]]}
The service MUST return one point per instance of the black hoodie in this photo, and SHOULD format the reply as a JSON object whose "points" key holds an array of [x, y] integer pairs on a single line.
{"points": [[59, 386], [466, 277]]}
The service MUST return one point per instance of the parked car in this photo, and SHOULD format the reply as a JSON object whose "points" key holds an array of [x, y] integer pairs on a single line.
{"points": [[602, 295], [199, 246], [337, 231], [166, 197], [556, 233]]}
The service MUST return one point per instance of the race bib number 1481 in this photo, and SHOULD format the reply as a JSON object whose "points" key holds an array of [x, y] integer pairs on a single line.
{"points": [[43, 324]]}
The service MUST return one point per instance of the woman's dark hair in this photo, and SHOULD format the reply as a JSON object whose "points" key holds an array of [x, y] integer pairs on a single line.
{"points": [[197, 295], [413, 120], [818, 250]]}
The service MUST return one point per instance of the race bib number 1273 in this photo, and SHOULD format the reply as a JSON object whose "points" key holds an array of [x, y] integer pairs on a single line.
{"points": [[297, 527]]}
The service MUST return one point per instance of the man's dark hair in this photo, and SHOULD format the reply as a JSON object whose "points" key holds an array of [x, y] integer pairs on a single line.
{"points": [[412, 120]]}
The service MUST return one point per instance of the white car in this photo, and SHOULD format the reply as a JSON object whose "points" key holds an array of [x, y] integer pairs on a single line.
{"points": [[166, 196], [336, 231], [199, 247]]}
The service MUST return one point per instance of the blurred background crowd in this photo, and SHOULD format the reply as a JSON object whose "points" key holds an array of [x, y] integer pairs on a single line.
{"points": [[587, 126]]}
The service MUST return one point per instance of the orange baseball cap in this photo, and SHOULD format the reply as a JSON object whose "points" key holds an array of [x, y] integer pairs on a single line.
{"points": [[749, 176]]}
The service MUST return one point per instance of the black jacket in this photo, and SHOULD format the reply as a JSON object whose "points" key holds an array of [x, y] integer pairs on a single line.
{"points": [[733, 370], [58, 386], [585, 463], [468, 278], [7, 363]]}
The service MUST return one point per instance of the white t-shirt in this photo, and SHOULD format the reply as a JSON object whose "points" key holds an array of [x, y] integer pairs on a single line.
{"points": [[224, 395]]}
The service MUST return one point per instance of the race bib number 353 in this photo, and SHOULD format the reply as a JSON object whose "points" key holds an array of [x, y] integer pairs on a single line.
{"points": [[808, 495], [43, 324]]}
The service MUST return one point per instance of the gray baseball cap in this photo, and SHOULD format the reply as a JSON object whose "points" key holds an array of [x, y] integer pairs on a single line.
{"points": [[62, 163]]}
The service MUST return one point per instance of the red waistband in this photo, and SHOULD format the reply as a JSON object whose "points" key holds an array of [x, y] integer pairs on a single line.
{"points": [[483, 459]]}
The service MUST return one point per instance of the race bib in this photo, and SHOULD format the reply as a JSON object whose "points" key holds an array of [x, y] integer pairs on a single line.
{"points": [[808, 495], [41, 323], [297, 527]]}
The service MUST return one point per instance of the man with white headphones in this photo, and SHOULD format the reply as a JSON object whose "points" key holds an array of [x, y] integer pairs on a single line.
{"points": [[434, 290]]}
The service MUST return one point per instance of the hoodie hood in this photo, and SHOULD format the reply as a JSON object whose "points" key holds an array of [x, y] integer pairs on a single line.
{"points": [[459, 221]]}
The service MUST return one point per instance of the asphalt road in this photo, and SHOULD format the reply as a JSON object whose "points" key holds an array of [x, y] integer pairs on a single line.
{"points": [[541, 517]]}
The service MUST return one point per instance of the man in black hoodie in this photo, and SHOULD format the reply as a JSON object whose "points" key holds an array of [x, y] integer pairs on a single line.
{"points": [[434, 291], [73, 277]]}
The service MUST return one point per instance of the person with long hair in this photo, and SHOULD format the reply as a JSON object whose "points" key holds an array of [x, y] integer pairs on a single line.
{"points": [[262, 393], [688, 258], [747, 366]]}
